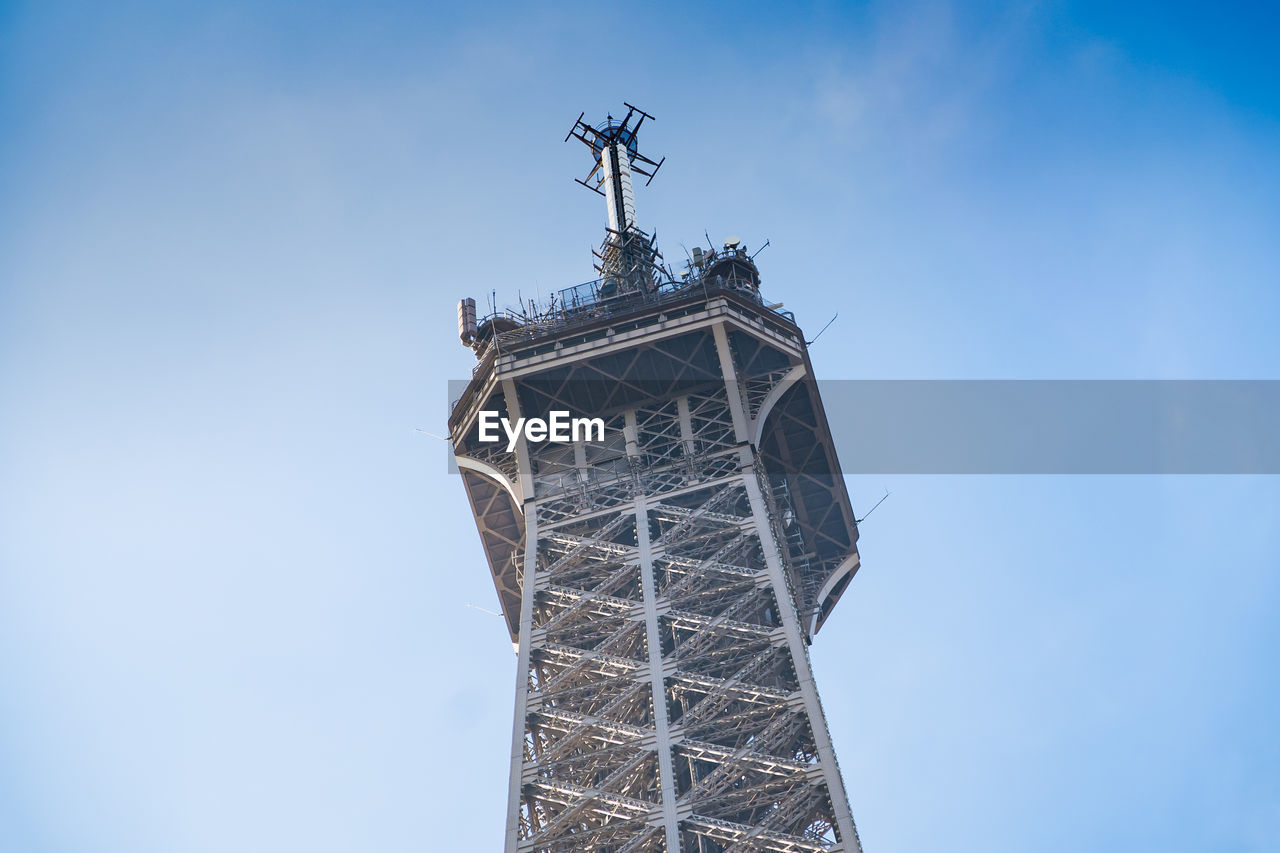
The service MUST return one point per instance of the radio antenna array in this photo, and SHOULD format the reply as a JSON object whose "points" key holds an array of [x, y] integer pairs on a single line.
{"points": [[629, 260], [613, 132]]}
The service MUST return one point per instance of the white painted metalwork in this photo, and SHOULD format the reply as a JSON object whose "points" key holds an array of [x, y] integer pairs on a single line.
{"points": [[620, 195]]}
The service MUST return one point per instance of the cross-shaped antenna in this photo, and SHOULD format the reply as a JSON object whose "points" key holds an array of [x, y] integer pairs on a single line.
{"points": [[609, 134]]}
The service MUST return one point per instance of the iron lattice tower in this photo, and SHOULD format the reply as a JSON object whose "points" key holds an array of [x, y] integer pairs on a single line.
{"points": [[661, 585]]}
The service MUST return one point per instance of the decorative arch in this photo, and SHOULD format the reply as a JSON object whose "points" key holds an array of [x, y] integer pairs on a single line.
{"points": [[793, 376]]}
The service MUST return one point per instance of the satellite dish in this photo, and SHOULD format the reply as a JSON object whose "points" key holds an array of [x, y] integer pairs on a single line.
{"points": [[732, 243]]}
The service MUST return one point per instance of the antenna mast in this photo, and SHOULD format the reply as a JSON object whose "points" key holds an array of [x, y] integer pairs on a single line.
{"points": [[628, 259]]}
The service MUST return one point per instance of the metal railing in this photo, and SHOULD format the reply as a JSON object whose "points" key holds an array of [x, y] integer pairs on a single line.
{"points": [[591, 301]]}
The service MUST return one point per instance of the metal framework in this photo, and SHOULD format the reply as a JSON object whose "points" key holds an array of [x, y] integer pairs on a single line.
{"points": [[661, 586]]}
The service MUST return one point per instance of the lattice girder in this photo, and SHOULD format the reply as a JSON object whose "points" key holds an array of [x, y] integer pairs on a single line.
{"points": [[669, 579]]}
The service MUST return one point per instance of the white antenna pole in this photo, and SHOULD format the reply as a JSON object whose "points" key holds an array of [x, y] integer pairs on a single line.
{"points": [[619, 193]]}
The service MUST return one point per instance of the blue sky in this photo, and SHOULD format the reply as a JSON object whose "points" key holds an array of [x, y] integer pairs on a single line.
{"points": [[234, 580]]}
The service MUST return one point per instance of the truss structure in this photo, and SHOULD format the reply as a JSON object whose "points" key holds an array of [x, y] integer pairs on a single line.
{"points": [[661, 586]]}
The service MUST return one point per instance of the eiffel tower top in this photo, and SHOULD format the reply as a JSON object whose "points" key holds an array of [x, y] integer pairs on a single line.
{"points": [[631, 271]]}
